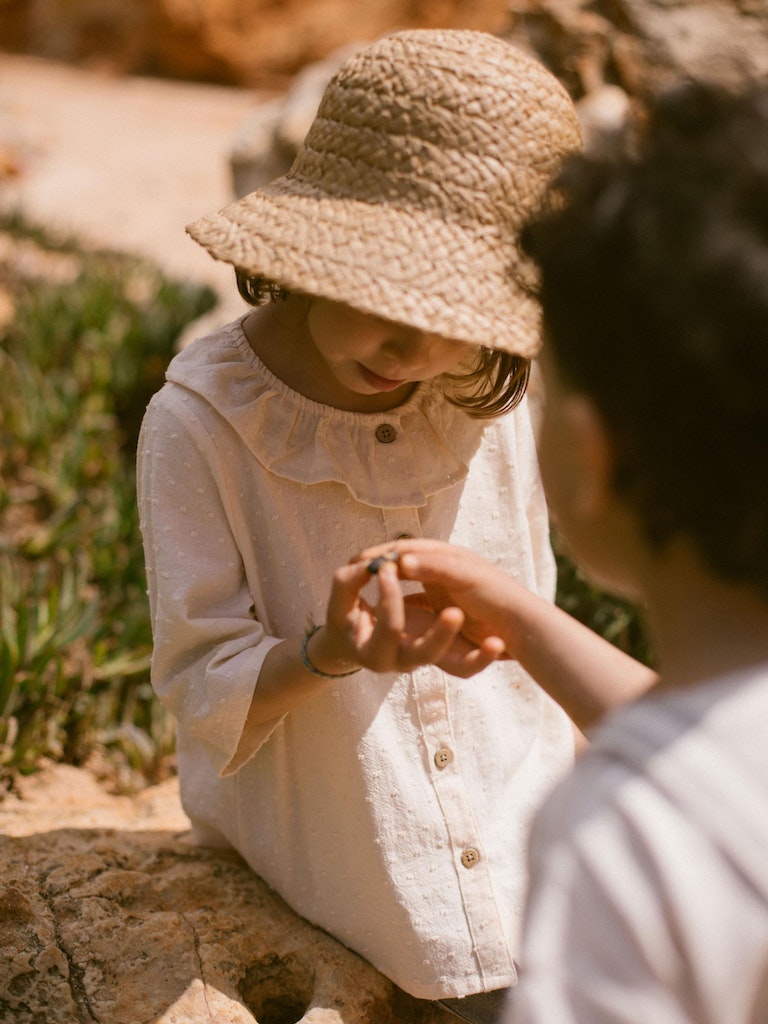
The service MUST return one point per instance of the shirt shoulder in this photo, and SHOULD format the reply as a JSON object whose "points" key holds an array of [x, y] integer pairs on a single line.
{"points": [[651, 885]]}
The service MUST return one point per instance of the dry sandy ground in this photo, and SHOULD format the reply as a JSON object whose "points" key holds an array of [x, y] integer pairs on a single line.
{"points": [[60, 796], [121, 162]]}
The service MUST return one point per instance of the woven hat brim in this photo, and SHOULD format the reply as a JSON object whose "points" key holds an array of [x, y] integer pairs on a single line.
{"points": [[402, 264]]}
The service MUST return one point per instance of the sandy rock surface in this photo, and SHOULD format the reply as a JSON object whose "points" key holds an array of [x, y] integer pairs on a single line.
{"points": [[109, 914]]}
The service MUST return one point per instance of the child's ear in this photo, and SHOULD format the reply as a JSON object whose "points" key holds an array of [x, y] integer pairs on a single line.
{"points": [[592, 454]]}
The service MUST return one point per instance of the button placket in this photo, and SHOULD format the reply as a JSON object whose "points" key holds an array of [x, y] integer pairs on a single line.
{"points": [[401, 522], [473, 870]]}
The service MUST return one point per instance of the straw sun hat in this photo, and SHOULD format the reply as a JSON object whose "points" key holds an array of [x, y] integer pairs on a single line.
{"points": [[428, 150]]}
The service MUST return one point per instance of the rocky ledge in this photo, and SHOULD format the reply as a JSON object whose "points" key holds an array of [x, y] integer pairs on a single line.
{"points": [[109, 915]]}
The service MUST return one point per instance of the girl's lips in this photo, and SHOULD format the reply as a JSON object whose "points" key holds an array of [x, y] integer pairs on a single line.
{"points": [[380, 383]]}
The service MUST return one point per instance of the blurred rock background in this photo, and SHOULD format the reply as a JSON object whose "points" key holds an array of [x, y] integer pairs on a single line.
{"points": [[263, 43], [251, 43], [125, 119]]}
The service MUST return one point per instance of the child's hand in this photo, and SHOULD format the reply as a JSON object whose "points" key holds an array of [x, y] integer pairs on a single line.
{"points": [[397, 635], [463, 658], [454, 577]]}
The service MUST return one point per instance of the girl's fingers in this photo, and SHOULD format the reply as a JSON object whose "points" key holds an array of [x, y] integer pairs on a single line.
{"points": [[390, 609], [383, 649], [348, 581], [432, 646], [384, 639], [478, 658]]}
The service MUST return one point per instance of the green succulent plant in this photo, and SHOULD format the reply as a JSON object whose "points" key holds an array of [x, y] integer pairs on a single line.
{"points": [[86, 346]]}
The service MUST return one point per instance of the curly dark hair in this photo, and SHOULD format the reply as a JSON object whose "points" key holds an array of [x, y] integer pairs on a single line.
{"points": [[495, 384], [654, 284]]}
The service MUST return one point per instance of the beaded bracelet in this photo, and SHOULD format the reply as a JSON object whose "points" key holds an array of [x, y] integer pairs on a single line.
{"points": [[308, 634]]}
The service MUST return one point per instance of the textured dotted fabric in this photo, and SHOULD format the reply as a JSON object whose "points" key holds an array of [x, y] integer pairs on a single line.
{"points": [[391, 810]]}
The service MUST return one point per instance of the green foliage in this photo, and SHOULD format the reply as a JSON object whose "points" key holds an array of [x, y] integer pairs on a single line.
{"points": [[87, 345], [615, 619]]}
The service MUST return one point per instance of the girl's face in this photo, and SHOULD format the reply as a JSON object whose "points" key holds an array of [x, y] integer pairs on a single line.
{"points": [[371, 356]]}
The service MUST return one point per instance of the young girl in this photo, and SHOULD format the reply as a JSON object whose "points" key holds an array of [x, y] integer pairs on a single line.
{"points": [[362, 404]]}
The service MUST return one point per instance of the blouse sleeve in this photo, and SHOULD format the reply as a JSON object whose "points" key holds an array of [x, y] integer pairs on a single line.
{"points": [[208, 645]]}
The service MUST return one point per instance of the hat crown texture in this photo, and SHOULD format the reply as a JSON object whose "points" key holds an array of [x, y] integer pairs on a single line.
{"points": [[457, 124], [428, 151]]}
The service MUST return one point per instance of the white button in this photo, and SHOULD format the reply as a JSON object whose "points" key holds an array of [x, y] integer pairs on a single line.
{"points": [[443, 757], [470, 857]]}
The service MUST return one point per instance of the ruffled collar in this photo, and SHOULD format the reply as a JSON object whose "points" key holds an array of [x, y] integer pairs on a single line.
{"points": [[304, 441]]}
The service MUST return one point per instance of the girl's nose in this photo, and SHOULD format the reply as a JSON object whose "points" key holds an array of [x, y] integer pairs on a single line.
{"points": [[412, 348]]}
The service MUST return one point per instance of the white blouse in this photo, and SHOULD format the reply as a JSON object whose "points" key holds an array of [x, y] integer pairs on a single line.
{"points": [[391, 810]]}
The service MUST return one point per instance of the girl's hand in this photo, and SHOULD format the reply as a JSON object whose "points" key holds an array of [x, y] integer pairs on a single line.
{"points": [[463, 658], [452, 576], [397, 635]]}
